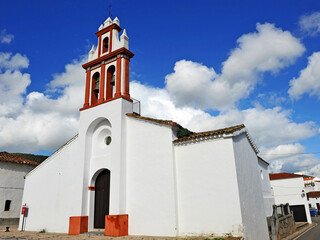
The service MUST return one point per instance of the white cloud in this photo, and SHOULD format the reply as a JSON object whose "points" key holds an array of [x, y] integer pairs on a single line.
{"points": [[13, 85], [281, 151], [268, 49], [6, 37], [39, 121], [291, 158], [13, 62], [309, 79], [310, 24]]}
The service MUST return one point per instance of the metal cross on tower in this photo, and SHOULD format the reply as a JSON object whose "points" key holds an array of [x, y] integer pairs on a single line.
{"points": [[109, 11]]}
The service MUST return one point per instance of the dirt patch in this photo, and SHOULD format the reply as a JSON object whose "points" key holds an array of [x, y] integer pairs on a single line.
{"points": [[14, 234]]}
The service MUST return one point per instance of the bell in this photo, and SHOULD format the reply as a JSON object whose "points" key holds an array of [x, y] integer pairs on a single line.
{"points": [[96, 89], [113, 80]]}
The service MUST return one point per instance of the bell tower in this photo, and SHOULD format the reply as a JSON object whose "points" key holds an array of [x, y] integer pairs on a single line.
{"points": [[102, 124], [107, 69]]}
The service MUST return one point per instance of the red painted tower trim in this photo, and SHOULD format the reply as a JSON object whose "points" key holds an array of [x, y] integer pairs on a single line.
{"points": [[108, 56], [107, 29], [110, 47], [102, 81], [126, 78], [87, 92], [99, 47], [118, 78]]}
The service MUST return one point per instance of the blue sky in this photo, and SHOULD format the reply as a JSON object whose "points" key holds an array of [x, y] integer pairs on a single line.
{"points": [[205, 64]]}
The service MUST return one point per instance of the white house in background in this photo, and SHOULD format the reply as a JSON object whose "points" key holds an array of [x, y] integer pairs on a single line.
{"points": [[289, 188], [12, 172], [170, 182], [268, 198], [312, 187]]}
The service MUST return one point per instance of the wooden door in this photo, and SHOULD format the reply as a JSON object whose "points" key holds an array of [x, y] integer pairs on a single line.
{"points": [[102, 198]]}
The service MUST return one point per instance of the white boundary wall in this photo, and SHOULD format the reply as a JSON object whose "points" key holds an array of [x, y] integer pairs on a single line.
{"points": [[52, 191], [251, 199], [208, 197], [266, 188]]}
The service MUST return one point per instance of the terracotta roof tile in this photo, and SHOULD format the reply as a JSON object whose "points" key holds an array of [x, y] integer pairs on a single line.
{"points": [[212, 133], [165, 122], [193, 135], [276, 176], [7, 157], [308, 178]]}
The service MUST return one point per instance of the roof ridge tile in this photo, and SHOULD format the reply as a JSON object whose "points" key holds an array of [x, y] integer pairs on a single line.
{"points": [[7, 157]]}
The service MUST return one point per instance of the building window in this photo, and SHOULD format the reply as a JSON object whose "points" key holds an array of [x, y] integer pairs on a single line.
{"points": [[261, 174], [105, 45], [108, 140], [7, 205]]}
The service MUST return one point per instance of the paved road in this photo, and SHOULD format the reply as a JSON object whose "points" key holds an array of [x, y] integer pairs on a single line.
{"points": [[314, 233]]}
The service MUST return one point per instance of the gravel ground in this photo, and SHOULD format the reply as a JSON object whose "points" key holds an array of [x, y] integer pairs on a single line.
{"points": [[15, 234]]}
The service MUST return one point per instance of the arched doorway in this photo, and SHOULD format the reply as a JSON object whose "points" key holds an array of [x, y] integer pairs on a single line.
{"points": [[102, 197]]}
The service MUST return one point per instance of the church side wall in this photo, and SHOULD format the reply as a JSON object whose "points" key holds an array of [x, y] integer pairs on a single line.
{"points": [[11, 187], [268, 199], [208, 198], [150, 180], [250, 192], [53, 191]]}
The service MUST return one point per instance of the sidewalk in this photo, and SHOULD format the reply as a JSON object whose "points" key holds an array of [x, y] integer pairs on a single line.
{"points": [[301, 231]]}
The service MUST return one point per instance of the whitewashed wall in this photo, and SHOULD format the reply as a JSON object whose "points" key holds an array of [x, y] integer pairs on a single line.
{"points": [[208, 197], [314, 201], [289, 190], [268, 198], [95, 124], [11, 187], [150, 179], [251, 198], [52, 191]]}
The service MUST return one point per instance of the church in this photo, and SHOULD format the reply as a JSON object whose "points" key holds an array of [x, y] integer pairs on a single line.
{"points": [[161, 178]]}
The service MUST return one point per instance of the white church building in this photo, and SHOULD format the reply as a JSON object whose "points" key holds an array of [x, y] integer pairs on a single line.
{"points": [[166, 180]]}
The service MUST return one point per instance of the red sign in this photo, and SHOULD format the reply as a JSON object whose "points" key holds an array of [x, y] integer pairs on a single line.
{"points": [[24, 209]]}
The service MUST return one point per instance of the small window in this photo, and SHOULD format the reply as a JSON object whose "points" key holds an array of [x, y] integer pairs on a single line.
{"points": [[108, 140], [7, 205], [105, 45]]}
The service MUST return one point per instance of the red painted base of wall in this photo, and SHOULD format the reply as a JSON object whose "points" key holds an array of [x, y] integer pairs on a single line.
{"points": [[116, 225], [78, 225], [111, 99]]}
